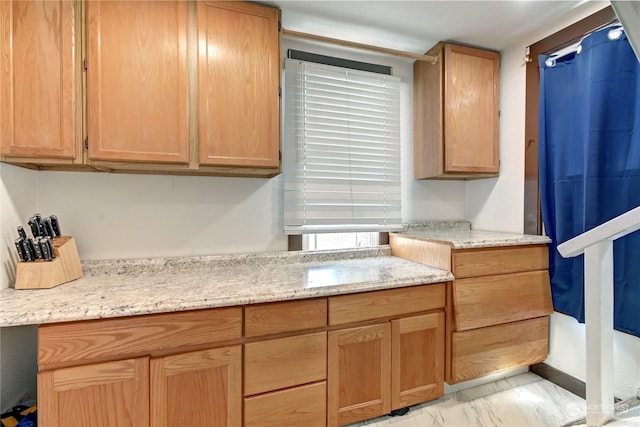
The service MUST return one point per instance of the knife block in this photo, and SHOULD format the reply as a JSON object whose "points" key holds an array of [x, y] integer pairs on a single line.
{"points": [[40, 274]]}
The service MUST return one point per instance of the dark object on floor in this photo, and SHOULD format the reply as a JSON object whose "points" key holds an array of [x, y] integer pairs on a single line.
{"points": [[399, 412], [20, 416]]}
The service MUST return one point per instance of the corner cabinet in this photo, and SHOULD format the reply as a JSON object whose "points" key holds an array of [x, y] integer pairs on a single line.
{"points": [[173, 87], [456, 113], [40, 81]]}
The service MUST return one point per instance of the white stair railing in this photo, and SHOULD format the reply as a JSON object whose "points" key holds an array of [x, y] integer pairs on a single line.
{"points": [[597, 247]]}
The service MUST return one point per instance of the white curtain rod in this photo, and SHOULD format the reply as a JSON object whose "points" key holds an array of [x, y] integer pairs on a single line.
{"points": [[418, 57]]}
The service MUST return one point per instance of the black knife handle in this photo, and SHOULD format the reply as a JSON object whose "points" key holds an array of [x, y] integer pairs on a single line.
{"points": [[33, 243], [35, 226], [22, 233], [55, 225], [47, 241], [20, 249], [44, 250], [48, 228], [27, 250]]}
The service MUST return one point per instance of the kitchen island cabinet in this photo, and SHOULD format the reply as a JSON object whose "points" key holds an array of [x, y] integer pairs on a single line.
{"points": [[499, 303]]}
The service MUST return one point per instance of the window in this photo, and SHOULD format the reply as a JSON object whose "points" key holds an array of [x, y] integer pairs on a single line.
{"points": [[341, 160], [327, 241]]}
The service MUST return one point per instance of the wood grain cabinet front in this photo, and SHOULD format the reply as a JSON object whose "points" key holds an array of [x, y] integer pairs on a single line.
{"points": [[40, 82], [498, 306], [200, 388], [262, 365], [456, 113], [386, 351], [238, 84], [100, 394], [143, 370], [171, 87], [137, 81]]}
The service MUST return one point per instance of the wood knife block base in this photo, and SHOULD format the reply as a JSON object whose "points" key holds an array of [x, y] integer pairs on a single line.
{"points": [[64, 268]]}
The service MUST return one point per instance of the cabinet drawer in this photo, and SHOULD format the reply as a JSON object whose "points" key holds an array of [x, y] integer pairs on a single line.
{"points": [[491, 300], [119, 337], [300, 406], [479, 352], [284, 362], [289, 316], [387, 303], [512, 259]]}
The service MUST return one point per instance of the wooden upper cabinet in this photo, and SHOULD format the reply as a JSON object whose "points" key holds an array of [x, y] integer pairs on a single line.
{"points": [[39, 46], [238, 84], [137, 81], [456, 113]]}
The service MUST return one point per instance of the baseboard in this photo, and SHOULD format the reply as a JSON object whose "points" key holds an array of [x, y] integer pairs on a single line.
{"points": [[560, 379]]}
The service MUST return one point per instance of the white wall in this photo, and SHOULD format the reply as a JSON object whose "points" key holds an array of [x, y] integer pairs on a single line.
{"points": [[497, 204]]}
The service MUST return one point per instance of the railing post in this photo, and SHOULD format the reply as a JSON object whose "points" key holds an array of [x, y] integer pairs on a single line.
{"points": [[598, 284]]}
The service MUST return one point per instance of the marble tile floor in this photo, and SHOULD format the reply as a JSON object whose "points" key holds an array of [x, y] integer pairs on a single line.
{"points": [[524, 400]]}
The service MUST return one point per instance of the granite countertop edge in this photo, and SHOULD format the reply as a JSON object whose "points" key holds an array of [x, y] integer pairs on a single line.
{"points": [[476, 239], [120, 288]]}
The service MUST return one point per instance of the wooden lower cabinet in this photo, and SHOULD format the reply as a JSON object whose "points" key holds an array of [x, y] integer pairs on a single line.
{"points": [[299, 406], [483, 351], [200, 388], [417, 359], [98, 395], [359, 380], [290, 366]]}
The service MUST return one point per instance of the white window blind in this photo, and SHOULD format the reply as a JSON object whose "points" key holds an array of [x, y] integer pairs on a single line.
{"points": [[341, 158]]}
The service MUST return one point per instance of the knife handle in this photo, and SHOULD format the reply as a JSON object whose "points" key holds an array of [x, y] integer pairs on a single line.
{"points": [[33, 243], [26, 250], [47, 241], [35, 226], [20, 249], [48, 228], [22, 233], [44, 250], [55, 225]]}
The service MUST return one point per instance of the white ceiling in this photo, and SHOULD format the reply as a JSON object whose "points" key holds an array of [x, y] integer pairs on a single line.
{"points": [[416, 26]]}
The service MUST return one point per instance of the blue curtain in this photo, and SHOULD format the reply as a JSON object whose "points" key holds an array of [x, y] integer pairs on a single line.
{"points": [[589, 153]]}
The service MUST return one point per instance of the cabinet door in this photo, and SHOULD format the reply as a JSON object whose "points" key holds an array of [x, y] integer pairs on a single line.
{"points": [[471, 109], [137, 95], [238, 80], [199, 389], [99, 395], [359, 374], [417, 359], [38, 47]]}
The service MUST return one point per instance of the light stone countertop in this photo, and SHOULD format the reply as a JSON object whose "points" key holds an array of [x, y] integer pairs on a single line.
{"points": [[468, 239], [135, 287]]}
